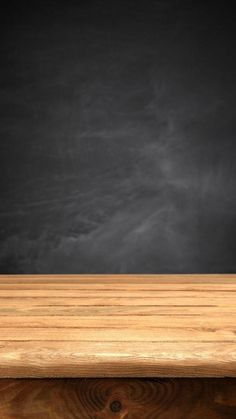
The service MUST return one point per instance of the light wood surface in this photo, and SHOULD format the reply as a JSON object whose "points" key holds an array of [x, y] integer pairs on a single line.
{"points": [[179, 398], [118, 326]]}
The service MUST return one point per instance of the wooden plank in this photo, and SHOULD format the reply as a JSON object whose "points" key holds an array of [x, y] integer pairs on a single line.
{"points": [[130, 294], [118, 398], [117, 359], [119, 301], [135, 321], [122, 279], [122, 334], [113, 325], [118, 310], [113, 286]]}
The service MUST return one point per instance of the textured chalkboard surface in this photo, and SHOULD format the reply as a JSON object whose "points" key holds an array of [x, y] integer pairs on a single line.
{"points": [[117, 145]]}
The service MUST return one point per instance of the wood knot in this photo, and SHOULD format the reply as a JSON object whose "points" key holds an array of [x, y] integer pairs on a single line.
{"points": [[115, 406]]}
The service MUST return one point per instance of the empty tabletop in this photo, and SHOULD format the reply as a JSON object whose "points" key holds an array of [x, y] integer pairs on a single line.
{"points": [[117, 326]]}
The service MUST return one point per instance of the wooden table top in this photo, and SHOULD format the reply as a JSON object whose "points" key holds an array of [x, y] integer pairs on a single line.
{"points": [[117, 325]]}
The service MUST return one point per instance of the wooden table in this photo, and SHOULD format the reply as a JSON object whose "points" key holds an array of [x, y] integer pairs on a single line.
{"points": [[118, 346]]}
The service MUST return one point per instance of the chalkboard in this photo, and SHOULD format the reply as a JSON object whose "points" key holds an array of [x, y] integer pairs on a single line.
{"points": [[118, 137]]}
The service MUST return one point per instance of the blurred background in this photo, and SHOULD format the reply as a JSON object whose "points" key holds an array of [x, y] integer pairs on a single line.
{"points": [[117, 145]]}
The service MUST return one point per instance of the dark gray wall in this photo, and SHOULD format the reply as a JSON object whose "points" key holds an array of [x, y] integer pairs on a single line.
{"points": [[118, 137]]}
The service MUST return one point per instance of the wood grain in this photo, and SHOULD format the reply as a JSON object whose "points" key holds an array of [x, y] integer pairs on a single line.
{"points": [[117, 326], [118, 398]]}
